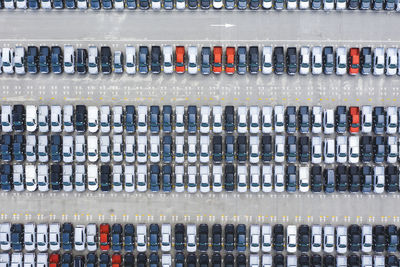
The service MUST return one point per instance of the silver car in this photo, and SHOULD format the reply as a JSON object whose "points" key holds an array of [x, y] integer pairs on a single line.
{"points": [[105, 115], [19, 60], [80, 178], [267, 60], [117, 148], [130, 62], [54, 236], [69, 59], [30, 148], [18, 178], [91, 237], [341, 61], [379, 60], [316, 64], [43, 148], [56, 117], [329, 238], [391, 61], [304, 60], [67, 178], [42, 237], [93, 57], [105, 150], [118, 62], [68, 148], [80, 148], [117, 178], [68, 119], [168, 59]]}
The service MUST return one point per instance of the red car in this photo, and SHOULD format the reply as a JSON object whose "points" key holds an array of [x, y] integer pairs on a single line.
{"points": [[354, 61], [105, 236], [116, 260], [354, 119], [230, 60], [217, 66], [180, 59], [54, 260]]}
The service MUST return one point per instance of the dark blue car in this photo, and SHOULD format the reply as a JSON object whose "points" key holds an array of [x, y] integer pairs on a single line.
{"points": [[55, 177], [33, 4], [19, 147], [192, 119], [155, 178], [18, 115], [167, 149], [167, 178], [131, 4], [91, 260], [6, 147], [67, 235], [58, 4], [32, 59], [116, 237], [70, 4], [6, 172], [154, 236], [154, 119], [107, 4], [44, 59], [55, 148], [129, 239], [95, 4], [167, 118], [17, 236], [56, 59], [130, 121]]}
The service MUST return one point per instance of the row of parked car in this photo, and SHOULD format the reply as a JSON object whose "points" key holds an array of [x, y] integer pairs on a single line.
{"points": [[205, 119], [203, 4], [206, 60], [255, 238], [203, 178]]}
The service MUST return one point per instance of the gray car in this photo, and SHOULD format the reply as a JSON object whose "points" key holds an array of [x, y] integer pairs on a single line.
{"points": [[118, 62], [241, 60], [80, 178], [328, 60]]}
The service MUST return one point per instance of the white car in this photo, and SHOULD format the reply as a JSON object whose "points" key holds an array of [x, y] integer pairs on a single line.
{"points": [[67, 178], [80, 178], [341, 239], [154, 148], [366, 261], [5, 236], [141, 238], [341, 149], [329, 151], [267, 178], [80, 148], [217, 178], [156, 4], [179, 178], [266, 260], [117, 178], [166, 260], [130, 180], [105, 114], [19, 58], [142, 178], [204, 178], [93, 59], [291, 4], [43, 118], [119, 5], [191, 238], [329, 238], [93, 177], [16, 259], [392, 147], [45, 4], [279, 119], [316, 150], [316, 238], [341, 60], [266, 239], [379, 61], [192, 59], [56, 118], [341, 4], [67, 118], [267, 59], [304, 179], [91, 237], [29, 259], [366, 233], [42, 237], [8, 60], [304, 66], [31, 118], [6, 118], [130, 155], [242, 178], [205, 119], [22, 4], [142, 119], [105, 150], [217, 119], [79, 237], [242, 119], [391, 120], [217, 4], [279, 178], [391, 61], [82, 4], [43, 177], [379, 261], [180, 4], [291, 238], [30, 178], [279, 148], [179, 119], [341, 261], [130, 60], [180, 150], [192, 179], [254, 115], [316, 62], [254, 238], [316, 119], [379, 179], [117, 153], [291, 261], [68, 148], [354, 149], [266, 119], [69, 59], [329, 5], [168, 59], [192, 148], [93, 119], [117, 119], [254, 178], [142, 149], [166, 237], [29, 236], [18, 178], [254, 260], [204, 148], [43, 148], [329, 121]]}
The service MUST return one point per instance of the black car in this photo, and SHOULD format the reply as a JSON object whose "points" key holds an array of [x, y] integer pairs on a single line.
{"points": [[154, 232], [155, 59], [203, 237], [191, 260], [17, 236], [154, 178], [278, 237], [316, 260], [266, 148], [56, 59], [18, 118], [229, 148], [130, 119], [241, 237], [179, 237], [341, 119], [216, 237], [304, 261], [366, 179], [379, 149], [241, 148], [316, 179], [32, 59], [205, 60], [67, 260], [391, 179], [241, 60], [392, 238], [217, 148], [154, 119], [366, 148], [141, 260], [44, 59], [329, 180], [379, 238], [240, 260], [229, 237], [279, 260], [341, 178], [291, 178], [144, 4], [129, 237], [192, 119], [378, 120], [81, 61], [304, 119], [105, 56], [329, 261], [216, 260], [391, 261], [167, 178], [354, 179], [304, 149], [67, 236], [56, 177], [291, 149], [81, 118], [205, 4], [105, 178], [203, 260], [229, 177], [105, 260], [179, 259], [116, 237], [129, 260], [19, 147], [79, 261], [366, 60], [167, 118], [304, 238], [229, 119], [328, 60], [291, 61], [354, 234], [290, 118], [6, 173], [229, 260], [278, 60], [91, 260], [353, 261], [55, 148], [254, 58]]}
